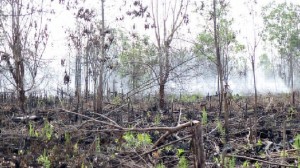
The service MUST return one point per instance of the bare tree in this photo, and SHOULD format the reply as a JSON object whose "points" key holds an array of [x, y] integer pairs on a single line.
{"points": [[252, 48], [25, 39], [166, 14]]}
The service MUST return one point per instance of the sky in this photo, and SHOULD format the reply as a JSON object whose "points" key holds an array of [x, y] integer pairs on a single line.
{"points": [[62, 20]]}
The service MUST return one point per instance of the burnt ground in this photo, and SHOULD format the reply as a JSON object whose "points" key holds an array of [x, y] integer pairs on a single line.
{"points": [[52, 135]]}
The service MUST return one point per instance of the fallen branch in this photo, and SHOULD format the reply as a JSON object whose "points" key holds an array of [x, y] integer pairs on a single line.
{"points": [[93, 119], [259, 160], [170, 143], [27, 117], [117, 128], [169, 130]]}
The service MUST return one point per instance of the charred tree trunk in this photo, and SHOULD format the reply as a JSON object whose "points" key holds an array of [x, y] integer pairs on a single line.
{"points": [[22, 99], [19, 72], [164, 37], [161, 96], [164, 74], [198, 147]]}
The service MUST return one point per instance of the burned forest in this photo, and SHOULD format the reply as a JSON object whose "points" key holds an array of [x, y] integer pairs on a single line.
{"points": [[149, 83]]}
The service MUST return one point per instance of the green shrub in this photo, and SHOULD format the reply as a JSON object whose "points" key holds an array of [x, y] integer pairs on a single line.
{"points": [[297, 142], [245, 164], [257, 165], [138, 140], [183, 162], [67, 138], [44, 160], [190, 98], [160, 165], [47, 130], [204, 117], [232, 162], [157, 119]]}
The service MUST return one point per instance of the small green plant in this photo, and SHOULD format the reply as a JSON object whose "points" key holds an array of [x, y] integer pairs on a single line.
{"points": [[297, 142], [32, 131], [117, 100], [129, 138], [168, 148], [160, 165], [296, 145], [217, 160], [97, 144], [257, 165], [283, 153], [148, 114], [189, 98], [220, 128], [20, 152], [204, 117], [245, 164], [183, 163], [259, 142], [75, 147], [44, 160], [291, 112], [47, 130], [67, 138], [144, 139], [157, 119], [232, 162], [139, 140], [180, 152]]}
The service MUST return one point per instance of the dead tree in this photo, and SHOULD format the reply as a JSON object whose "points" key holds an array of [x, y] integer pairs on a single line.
{"points": [[23, 44]]}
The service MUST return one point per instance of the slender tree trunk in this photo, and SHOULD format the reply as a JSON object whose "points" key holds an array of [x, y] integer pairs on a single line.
{"points": [[95, 95], [87, 73], [220, 68], [22, 99], [78, 76], [254, 83], [162, 95], [19, 72], [101, 80], [161, 81], [291, 79]]}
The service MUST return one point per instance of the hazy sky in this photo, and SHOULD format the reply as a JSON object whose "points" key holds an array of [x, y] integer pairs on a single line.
{"points": [[63, 19]]}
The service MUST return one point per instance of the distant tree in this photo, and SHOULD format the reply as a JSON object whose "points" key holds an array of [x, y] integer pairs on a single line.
{"points": [[230, 47], [281, 23], [137, 59], [218, 45], [165, 18], [25, 36], [92, 39], [253, 40]]}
